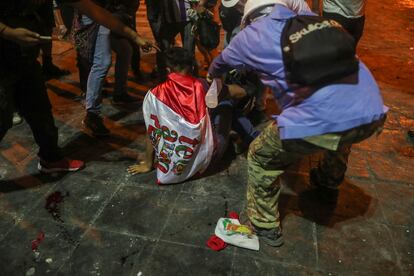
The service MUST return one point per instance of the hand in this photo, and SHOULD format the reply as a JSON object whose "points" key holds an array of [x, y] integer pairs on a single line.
{"points": [[22, 36], [209, 79], [236, 91], [145, 45]]}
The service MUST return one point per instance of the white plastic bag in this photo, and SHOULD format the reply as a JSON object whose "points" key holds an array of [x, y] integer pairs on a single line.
{"points": [[213, 92]]}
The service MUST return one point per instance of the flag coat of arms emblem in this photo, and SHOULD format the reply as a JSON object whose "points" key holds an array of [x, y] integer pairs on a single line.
{"points": [[179, 128]]}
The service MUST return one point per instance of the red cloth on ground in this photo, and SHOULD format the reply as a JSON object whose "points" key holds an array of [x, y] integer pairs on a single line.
{"points": [[234, 215], [216, 243]]}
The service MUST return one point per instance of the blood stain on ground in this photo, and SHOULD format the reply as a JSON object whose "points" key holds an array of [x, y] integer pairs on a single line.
{"points": [[52, 204]]}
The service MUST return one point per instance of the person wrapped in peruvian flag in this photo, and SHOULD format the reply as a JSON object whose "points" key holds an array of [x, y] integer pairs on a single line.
{"points": [[182, 132]]}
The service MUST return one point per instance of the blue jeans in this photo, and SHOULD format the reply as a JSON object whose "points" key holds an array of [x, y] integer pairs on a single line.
{"points": [[224, 118], [101, 64]]}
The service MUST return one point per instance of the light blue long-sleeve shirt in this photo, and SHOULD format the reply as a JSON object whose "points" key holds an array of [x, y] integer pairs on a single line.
{"points": [[333, 108]]}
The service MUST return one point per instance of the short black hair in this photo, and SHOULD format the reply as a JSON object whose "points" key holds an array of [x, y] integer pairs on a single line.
{"points": [[179, 59]]}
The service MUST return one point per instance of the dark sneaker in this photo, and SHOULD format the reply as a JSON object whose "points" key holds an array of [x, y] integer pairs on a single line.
{"points": [[272, 237], [94, 123], [64, 165], [326, 194], [124, 99], [238, 143]]}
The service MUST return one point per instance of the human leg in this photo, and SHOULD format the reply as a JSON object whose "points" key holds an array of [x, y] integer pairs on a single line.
{"points": [[154, 20], [99, 69], [244, 127], [267, 159], [6, 107], [101, 64], [331, 170], [123, 49], [167, 34], [354, 26], [221, 118], [33, 103], [189, 41]]}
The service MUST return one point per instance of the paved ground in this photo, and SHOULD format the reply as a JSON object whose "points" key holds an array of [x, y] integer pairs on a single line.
{"points": [[100, 221]]}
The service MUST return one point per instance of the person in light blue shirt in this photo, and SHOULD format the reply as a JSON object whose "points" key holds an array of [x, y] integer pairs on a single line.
{"points": [[328, 119]]}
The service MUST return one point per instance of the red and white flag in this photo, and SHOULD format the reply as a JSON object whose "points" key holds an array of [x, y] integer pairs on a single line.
{"points": [[179, 127]]}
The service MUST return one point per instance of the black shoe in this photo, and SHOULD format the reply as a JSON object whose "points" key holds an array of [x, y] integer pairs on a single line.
{"points": [[124, 99], [272, 237], [51, 71], [326, 194], [94, 123], [238, 143]]}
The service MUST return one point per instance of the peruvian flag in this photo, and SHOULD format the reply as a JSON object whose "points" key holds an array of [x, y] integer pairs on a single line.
{"points": [[179, 128]]}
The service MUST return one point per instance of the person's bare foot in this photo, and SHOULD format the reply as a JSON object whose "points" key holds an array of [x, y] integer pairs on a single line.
{"points": [[142, 167]]}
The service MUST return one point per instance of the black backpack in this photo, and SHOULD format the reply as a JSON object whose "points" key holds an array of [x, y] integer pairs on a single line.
{"points": [[317, 50], [208, 32]]}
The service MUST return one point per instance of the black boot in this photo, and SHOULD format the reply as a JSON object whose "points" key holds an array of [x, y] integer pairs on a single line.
{"points": [[94, 123]]}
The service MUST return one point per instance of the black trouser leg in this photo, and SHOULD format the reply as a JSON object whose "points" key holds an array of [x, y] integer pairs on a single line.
{"points": [[6, 108], [136, 54], [168, 32], [189, 42], [354, 26], [84, 67], [33, 103]]}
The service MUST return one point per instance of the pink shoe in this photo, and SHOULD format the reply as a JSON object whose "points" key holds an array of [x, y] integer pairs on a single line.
{"points": [[63, 165]]}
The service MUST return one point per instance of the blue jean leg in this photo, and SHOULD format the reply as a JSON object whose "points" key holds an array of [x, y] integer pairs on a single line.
{"points": [[225, 118], [244, 127], [100, 67], [221, 119]]}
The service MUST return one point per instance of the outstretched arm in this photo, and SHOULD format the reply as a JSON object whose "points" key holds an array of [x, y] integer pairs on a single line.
{"points": [[105, 18], [21, 36]]}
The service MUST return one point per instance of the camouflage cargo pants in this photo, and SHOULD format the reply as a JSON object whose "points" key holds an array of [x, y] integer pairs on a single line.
{"points": [[269, 156]]}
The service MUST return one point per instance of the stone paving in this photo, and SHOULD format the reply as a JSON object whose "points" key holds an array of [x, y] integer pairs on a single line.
{"points": [[101, 221]]}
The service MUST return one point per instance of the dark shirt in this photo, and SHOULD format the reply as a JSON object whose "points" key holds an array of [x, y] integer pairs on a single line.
{"points": [[22, 14]]}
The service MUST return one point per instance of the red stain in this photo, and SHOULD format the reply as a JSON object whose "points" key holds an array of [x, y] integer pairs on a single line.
{"points": [[38, 240], [52, 204]]}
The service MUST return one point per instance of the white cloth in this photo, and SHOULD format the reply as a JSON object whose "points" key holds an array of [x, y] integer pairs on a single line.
{"points": [[241, 240], [347, 8], [182, 149]]}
